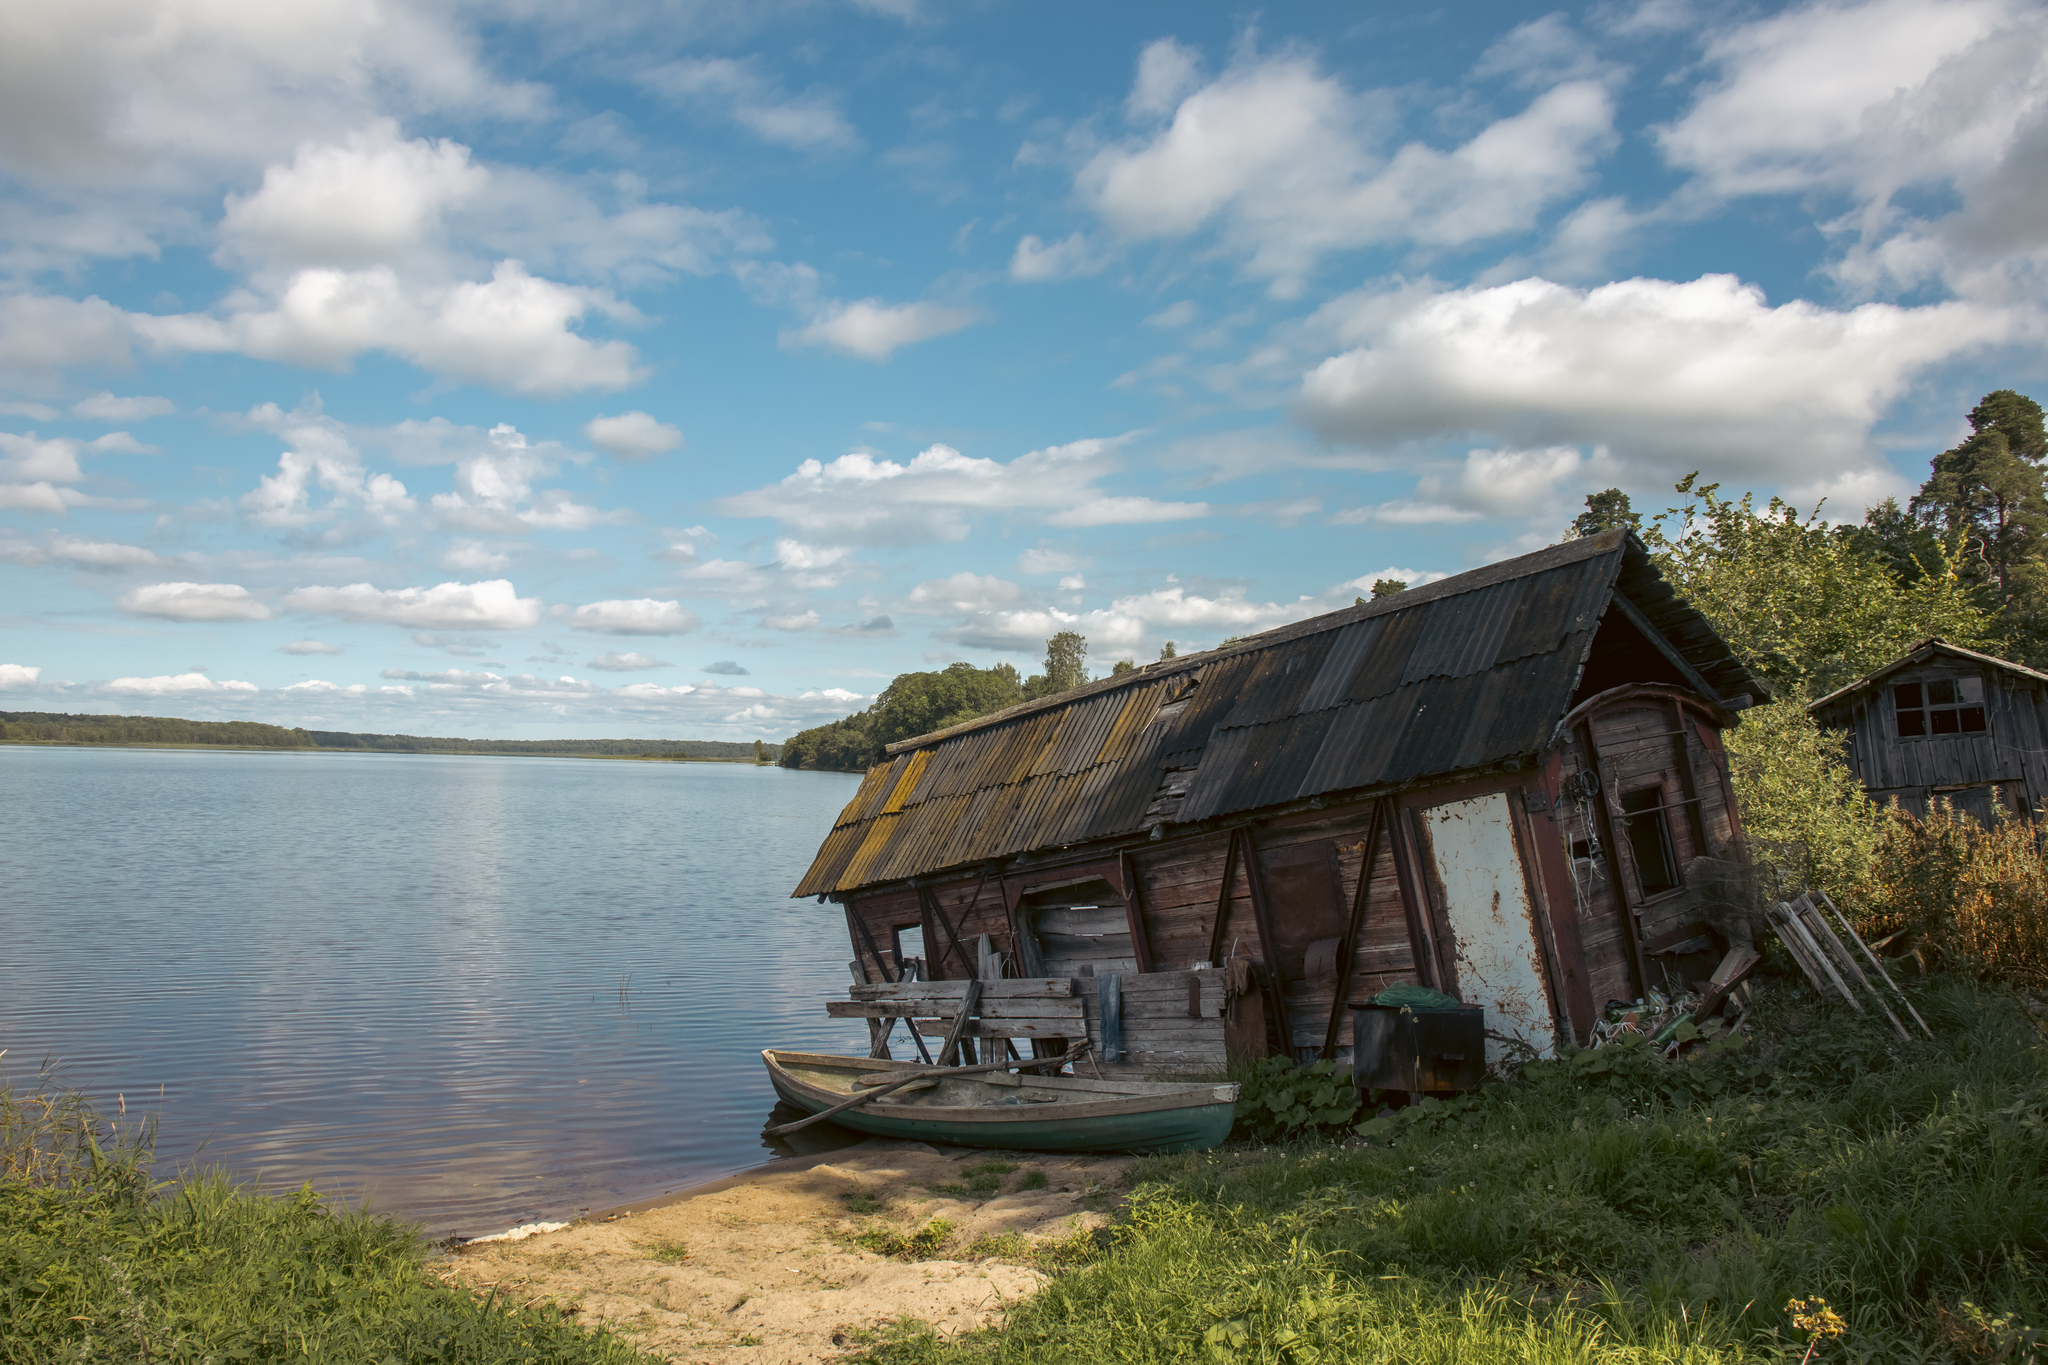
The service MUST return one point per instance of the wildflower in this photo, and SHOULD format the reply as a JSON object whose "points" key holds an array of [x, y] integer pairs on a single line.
{"points": [[1817, 1320]]}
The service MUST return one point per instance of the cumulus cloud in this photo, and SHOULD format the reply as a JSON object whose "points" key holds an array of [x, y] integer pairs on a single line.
{"points": [[1668, 375], [308, 647], [1896, 104], [494, 490], [164, 685], [964, 592], [792, 621], [195, 602], [634, 616], [321, 458], [1291, 165], [832, 694], [632, 436], [860, 499], [614, 662], [489, 605], [322, 685], [19, 675], [101, 554], [36, 472]]}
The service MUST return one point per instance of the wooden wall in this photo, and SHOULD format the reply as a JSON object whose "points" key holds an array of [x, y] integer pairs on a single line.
{"points": [[2007, 765], [1591, 914]]}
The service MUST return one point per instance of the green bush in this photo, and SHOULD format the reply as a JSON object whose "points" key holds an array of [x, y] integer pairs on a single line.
{"points": [[1282, 1100]]}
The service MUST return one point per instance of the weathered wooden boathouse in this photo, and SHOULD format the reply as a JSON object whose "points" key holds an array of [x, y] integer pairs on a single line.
{"points": [[1490, 785], [1944, 721]]}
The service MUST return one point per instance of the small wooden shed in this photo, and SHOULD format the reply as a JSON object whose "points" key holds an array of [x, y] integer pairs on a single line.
{"points": [[1490, 785], [1944, 721]]}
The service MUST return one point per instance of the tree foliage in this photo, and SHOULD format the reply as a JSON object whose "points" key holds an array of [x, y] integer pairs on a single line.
{"points": [[1606, 510], [913, 704], [1387, 587], [1066, 664], [1804, 604]]}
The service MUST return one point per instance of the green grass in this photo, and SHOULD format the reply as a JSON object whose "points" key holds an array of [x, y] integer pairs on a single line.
{"points": [[984, 1180], [667, 1252], [98, 1265], [921, 1245], [864, 1201], [1629, 1211]]}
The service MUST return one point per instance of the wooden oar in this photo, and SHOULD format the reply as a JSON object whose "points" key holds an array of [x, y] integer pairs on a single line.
{"points": [[1072, 1054]]}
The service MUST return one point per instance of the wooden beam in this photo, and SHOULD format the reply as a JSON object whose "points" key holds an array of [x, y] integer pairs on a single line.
{"points": [[1262, 916], [1635, 617], [1348, 948], [1630, 931], [1134, 911], [1223, 899], [1414, 905]]}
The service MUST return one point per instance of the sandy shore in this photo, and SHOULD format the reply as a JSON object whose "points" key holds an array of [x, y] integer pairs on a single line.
{"points": [[780, 1264]]}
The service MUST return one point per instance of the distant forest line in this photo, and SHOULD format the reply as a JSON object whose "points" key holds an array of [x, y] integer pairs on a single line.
{"points": [[41, 727]]}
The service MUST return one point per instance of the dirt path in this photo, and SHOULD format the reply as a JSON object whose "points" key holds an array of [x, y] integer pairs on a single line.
{"points": [[787, 1264]]}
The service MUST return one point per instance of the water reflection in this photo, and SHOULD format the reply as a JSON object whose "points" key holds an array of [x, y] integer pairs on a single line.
{"points": [[476, 991]]}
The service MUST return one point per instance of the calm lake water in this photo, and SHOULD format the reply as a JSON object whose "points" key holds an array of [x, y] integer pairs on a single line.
{"points": [[473, 991]]}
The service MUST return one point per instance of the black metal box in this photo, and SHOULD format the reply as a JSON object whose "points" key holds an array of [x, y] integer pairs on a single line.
{"points": [[1399, 1048]]}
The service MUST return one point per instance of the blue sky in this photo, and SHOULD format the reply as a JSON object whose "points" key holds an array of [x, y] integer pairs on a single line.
{"points": [[689, 370]]}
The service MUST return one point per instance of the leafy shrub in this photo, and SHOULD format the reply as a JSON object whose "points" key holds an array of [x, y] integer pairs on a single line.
{"points": [[1282, 1100], [1977, 896]]}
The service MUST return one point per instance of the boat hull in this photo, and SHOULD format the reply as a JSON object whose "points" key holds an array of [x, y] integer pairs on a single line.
{"points": [[1082, 1116]]}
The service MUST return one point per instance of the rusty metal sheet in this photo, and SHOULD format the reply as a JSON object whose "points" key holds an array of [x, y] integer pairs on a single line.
{"points": [[1494, 940]]}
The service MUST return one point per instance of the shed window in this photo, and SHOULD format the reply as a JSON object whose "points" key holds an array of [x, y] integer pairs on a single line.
{"points": [[1939, 706], [910, 949], [1649, 839]]}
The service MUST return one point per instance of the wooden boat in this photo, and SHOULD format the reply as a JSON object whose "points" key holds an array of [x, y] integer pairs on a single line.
{"points": [[1005, 1109]]}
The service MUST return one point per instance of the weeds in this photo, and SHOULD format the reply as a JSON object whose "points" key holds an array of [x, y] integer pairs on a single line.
{"points": [[1977, 896], [863, 1201], [667, 1252], [984, 1180], [1635, 1212], [96, 1263], [1032, 1180], [921, 1245]]}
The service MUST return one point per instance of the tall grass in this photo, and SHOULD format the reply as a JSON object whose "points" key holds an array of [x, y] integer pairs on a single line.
{"points": [[1606, 1214], [1976, 895], [99, 1264]]}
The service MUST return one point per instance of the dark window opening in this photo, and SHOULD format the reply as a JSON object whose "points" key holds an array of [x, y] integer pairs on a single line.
{"points": [[1649, 839], [1940, 706]]}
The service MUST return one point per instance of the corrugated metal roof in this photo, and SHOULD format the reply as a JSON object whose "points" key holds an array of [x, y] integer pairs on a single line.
{"points": [[1920, 654], [1445, 678]]}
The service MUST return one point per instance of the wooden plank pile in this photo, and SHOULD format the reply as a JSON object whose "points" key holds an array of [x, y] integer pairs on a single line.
{"points": [[1825, 957]]}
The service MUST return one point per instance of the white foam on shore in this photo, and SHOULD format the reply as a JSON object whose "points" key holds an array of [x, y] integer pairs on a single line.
{"points": [[518, 1234]]}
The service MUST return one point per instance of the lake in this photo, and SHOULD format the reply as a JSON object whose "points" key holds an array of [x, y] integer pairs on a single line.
{"points": [[473, 991]]}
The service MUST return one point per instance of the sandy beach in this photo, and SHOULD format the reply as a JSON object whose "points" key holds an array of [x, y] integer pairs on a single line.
{"points": [[794, 1261]]}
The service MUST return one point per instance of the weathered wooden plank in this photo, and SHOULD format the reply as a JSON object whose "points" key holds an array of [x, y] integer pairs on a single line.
{"points": [[1006, 1028], [1009, 988], [913, 1008]]}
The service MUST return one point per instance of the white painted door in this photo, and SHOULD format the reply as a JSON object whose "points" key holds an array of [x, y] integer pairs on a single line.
{"points": [[1492, 925]]}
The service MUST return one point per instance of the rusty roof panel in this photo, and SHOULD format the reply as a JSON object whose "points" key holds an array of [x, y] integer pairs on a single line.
{"points": [[1448, 677]]}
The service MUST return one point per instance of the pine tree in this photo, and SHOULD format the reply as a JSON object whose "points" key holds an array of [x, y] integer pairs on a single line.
{"points": [[1987, 495]]}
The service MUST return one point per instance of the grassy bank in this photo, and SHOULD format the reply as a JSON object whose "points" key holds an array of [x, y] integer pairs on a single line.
{"points": [[1607, 1209], [96, 1264]]}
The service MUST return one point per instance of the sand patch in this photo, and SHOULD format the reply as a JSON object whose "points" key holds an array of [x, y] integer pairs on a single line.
{"points": [[779, 1266]]}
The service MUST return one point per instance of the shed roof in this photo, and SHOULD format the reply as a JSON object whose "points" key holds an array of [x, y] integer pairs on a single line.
{"points": [[1920, 654], [1444, 678]]}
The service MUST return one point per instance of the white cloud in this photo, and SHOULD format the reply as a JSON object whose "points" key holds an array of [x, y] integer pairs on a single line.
{"points": [[511, 332], [804, 620], [1034, 261], [1175, 315], [1040, 559], [40, 334], [322, 457], [1898, 104], [494, 489], [832, 694], [322, 685], [490, 605], [738, 90], [859, 499], [632, 436], [102, 554], [106, 407], [635, 616], [19, 675], [727, 668], [165, 684], [654, 692], [472, 556], [1168, 72], [614, 662], [964, 592], [1126, 511], [1292, 166], [308, 647], [195, 602], [1669, 376], [873, 330]]}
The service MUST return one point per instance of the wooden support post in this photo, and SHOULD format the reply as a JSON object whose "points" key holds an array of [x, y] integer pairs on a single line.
{"points": [[1134, 912], [1223, 900], [1347, 950], [1282, 1027], [1631, 931], [1414, 904]]}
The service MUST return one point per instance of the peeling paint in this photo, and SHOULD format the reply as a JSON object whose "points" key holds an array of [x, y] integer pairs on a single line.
{"points": [[1493, 930]]}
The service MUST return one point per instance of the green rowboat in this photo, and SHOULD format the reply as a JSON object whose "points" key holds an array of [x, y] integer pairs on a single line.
{"points": [[1003, 1109]]}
